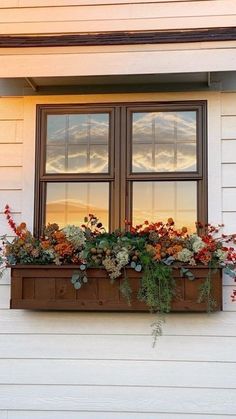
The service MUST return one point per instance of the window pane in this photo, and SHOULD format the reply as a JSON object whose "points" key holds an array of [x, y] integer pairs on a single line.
{"points": [[157, 201], [69, 203], [164, 141], [77, 143]]}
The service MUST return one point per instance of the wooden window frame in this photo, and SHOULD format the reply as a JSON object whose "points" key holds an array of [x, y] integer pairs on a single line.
{"points": [[120, 176]]}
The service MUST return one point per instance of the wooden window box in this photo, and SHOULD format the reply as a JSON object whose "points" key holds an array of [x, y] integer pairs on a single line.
{"points": [[49, 287]]}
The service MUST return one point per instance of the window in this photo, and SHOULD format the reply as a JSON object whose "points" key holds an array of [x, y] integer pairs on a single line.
{"points": [[126, 161]]}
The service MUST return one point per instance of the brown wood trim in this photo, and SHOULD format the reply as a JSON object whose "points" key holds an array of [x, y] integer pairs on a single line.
{"points": [[120, 38]]}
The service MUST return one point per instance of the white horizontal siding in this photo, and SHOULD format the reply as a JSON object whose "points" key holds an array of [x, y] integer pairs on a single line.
{"points": [[11, 109], [117, 373], [228, 151], [106, 415], [229, 199], [138, 24], [56, 3], [10, 155], [228, 175], [4, 296], [126, 347], [114, 16], [132, 10], [27, 322], [228, 127], [11, 131], [11, 197], [100, 399], [10, 178]]}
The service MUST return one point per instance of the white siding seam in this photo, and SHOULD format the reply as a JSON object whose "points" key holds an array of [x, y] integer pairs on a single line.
{"points": [[113, 385]]}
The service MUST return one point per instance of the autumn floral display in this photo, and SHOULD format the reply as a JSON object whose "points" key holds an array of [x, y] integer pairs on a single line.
{"points": [[154, 249]]}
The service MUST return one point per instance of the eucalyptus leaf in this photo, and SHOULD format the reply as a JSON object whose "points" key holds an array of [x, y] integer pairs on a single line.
{"points": [[187, 273], [138, 268], [75, 277], [133, 265], [82, 267], [229, 271], [168, 261], [77, 285]]}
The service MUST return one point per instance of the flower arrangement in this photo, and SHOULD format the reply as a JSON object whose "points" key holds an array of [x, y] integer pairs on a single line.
{"points": [[154, 249]]}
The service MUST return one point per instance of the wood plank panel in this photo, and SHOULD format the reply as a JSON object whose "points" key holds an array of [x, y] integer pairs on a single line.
{"points": [[118, 373], [202, 401], [11, 109], [10, 178], [229, 126], [173, 348], [229, 199], [194, 324], [11, 131], [229, 151], [119, 12], [10, 154], [103, 415], [228, 175], [116, 25]]}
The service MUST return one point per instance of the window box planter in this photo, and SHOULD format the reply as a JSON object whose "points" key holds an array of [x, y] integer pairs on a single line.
{"points": [[49, 287]]}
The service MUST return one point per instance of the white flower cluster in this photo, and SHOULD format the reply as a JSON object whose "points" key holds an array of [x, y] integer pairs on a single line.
{"points": [[114, 266], [185, 255], [75, 235], [122, 257], [111, 267], [197, 243], [221, 254]]}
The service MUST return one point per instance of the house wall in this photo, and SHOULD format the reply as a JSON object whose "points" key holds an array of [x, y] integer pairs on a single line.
{"points": [[61, 16], [64, 365]]}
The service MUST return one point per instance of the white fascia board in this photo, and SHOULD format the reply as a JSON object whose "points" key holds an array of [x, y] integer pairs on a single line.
{"points": [[87, 62]]}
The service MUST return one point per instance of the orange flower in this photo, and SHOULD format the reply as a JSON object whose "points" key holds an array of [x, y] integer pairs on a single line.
{"points": [[45, 244], [64, 249], [59, 236]]}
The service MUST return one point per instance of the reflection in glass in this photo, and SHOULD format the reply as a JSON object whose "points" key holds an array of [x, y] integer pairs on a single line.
{"points": [[69, 203], [77, 143], [157, 201], [164, 141]]}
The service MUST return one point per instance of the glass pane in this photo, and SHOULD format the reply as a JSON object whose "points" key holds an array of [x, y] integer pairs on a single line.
{"points": [[69, 203], [55, 159], [164, 141], [157, 201], [77, 143], [56, 129]]}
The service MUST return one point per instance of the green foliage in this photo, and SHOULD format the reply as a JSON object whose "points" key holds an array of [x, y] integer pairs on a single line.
{"points": [[157, 287], [206, 292]]}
